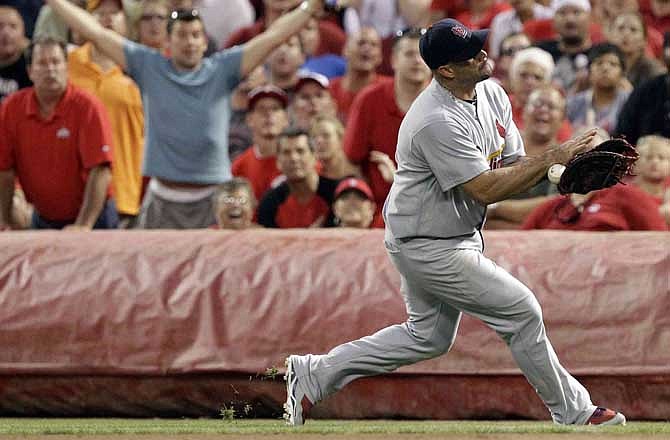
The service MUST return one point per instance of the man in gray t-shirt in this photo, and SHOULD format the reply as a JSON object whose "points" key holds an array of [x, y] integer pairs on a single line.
{"points": [[186, 102], [458, 151]]}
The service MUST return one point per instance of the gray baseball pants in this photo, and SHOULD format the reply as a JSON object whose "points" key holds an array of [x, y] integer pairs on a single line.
{"points": [[438, 283]]}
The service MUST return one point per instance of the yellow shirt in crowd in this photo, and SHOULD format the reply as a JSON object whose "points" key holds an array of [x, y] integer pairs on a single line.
{"points": [[121, 97]]}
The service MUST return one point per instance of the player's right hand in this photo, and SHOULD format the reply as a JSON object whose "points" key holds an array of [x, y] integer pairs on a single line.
{"points": [[569, 149]]}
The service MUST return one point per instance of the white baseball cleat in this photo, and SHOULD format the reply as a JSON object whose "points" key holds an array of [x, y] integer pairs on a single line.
{"points": [[605, 416], [297, 404]]}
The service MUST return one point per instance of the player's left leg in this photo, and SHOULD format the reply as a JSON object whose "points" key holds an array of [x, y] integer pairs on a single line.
{"points": [[491, 294]]}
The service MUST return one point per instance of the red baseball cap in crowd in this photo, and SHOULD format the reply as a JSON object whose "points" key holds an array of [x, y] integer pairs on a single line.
{"points": [[267, 91], [353, 184], [306, 77]]}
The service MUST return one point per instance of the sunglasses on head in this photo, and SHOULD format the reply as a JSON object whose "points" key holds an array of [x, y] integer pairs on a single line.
{"points": [[411, 32], [184, 14]]}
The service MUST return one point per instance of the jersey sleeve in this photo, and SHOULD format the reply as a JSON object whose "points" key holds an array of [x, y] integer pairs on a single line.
{"points": [[95, 135], [450, 153], [6, 148]]}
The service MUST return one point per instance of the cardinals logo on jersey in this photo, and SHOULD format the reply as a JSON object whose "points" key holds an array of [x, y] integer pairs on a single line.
{"points": [[501, 130]]}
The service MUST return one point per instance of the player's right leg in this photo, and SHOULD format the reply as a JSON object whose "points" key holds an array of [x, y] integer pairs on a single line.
{"points": [[429, 332]]}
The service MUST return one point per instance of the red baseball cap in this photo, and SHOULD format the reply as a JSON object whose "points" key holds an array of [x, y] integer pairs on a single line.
{"points": [[267, 91], [354, 184]]}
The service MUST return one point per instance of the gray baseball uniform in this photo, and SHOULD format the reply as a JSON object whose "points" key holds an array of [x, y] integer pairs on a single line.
{"points": [[433, 238]]}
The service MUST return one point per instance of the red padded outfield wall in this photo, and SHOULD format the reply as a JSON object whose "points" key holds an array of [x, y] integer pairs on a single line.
{"points": [[181, 322]]}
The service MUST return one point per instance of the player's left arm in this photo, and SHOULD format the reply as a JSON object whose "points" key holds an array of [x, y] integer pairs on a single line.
{"points": [[496, 185], [258, 48]]}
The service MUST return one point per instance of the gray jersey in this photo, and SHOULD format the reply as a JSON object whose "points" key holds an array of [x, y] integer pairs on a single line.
{"points": [[444, 142]]}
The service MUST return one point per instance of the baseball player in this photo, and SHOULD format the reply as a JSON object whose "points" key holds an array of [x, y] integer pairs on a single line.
{"points": [[458, 151]]}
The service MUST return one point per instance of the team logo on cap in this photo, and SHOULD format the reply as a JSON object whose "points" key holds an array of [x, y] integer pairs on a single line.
{"points": [[459, 31]]}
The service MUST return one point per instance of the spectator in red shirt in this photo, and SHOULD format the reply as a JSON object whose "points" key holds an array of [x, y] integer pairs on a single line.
{"points": [[235, 205], [363, 53], [354, 205], [331, 38], [304, 199], [618, 208], [55, 138], [326, 136], [652, 171], [378, 110], [311, 100], [267, 119]]}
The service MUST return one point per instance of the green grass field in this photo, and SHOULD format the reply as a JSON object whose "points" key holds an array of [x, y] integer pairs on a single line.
{"points": [[84, 427]]}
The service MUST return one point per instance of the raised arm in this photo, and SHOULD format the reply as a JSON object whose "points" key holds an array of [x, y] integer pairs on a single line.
{"points": [[107, 41], [496, 185], [257, 49]]}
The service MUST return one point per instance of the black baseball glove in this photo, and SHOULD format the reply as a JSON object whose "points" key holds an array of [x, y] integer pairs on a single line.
{"points": [[602, 167]]}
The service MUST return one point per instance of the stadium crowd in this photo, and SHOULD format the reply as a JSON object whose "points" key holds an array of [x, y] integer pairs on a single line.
{"points": [[235, 114]]}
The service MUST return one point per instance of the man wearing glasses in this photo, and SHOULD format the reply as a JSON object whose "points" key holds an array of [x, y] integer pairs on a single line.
{"points": [[152, 26], [187, 106]]}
